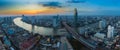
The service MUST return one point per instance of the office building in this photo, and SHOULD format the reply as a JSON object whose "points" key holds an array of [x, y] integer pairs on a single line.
{"points": [[110, 32]]}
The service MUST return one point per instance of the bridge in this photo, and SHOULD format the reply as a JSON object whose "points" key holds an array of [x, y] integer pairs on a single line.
{"points": [[79, 37]]}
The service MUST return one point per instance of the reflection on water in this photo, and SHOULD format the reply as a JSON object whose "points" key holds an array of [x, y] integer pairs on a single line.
{"points": [[38, 29]]}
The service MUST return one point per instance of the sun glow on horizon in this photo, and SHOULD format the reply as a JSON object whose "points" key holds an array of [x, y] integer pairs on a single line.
{"points": [[33, 11]]}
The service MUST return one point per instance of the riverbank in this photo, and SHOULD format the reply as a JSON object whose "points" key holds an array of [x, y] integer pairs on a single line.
{"points": [[38, 29]]}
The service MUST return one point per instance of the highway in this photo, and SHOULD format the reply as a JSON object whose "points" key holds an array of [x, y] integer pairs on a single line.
{"points": [[78, 37]]}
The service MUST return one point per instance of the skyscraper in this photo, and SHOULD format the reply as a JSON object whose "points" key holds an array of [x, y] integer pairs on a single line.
{"points": [[110, 32], [102, 24], [33, 25], [75, 17], [55, 21]]}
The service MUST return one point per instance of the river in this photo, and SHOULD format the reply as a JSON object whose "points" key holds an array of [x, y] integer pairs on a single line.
{"points": [[38, 29], [48, 31]]}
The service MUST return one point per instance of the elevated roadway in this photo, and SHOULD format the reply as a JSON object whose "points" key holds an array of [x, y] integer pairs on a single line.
{"points": [[79, 37]]}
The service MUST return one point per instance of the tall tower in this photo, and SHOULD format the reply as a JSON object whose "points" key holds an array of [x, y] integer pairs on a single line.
{"points": [[33, 25], [23, 15], [110, 32], [102, 24], [75, 17], [55, 24], [55, 21]]}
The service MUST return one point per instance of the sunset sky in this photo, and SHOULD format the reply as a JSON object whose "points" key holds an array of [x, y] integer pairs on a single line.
{"points": [[85, 7]]}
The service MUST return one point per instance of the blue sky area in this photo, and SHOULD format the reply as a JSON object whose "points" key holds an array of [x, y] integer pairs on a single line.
{"points": [[85, 7]]}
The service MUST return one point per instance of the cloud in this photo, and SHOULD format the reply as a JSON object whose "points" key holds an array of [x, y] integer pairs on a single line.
{"points": [[51, 4], [76, 1]]}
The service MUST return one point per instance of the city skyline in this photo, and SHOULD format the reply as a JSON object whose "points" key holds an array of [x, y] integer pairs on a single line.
{"points": [[34, 7]]}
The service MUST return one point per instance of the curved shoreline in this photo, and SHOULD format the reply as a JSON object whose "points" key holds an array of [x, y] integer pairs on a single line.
{"points": [[38, 29]]}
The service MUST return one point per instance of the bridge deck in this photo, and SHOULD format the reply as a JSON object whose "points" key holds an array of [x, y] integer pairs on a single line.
{"points": [[78, 37]]}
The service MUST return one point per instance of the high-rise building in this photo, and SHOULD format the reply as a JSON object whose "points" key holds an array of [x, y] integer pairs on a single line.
{"points": [[56, 21], [110, 32], [75, 18], [23, 15], [102, 24], [33, 25]]}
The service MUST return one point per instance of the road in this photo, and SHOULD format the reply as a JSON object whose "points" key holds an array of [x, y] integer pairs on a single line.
{"points": [[78, 37]]}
